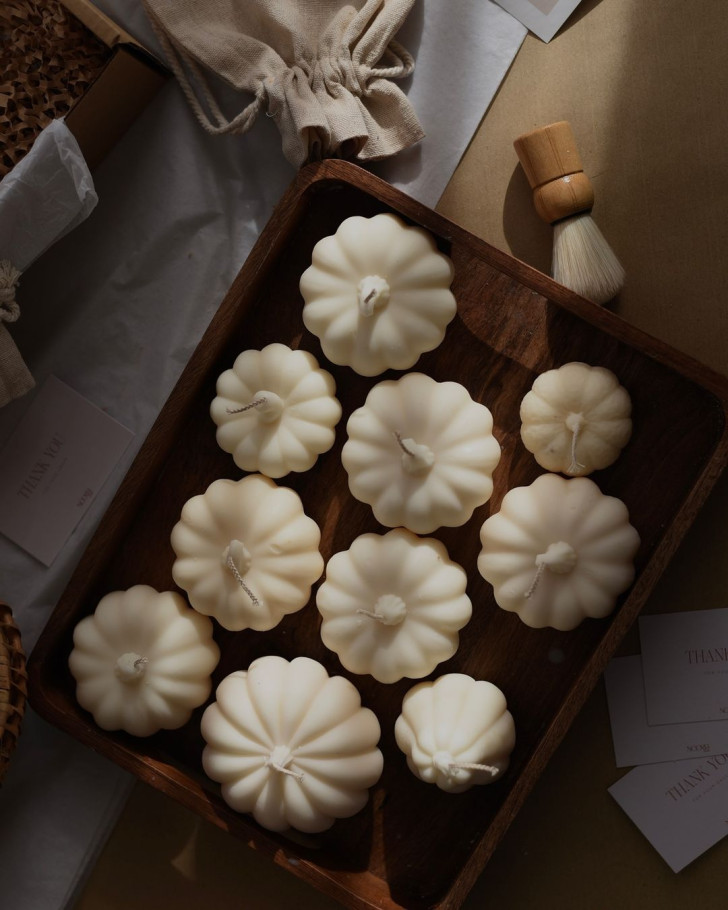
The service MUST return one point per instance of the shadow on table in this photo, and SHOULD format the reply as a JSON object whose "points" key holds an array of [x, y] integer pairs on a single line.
{"points": [[175, 859]]}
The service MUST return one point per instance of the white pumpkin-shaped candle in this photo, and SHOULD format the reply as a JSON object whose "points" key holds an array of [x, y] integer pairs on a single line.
{"points": [[377, 294], [275, 410], [393, 605], [558, 551], [291, 745], [576, 419], [246, 553], [456, 732], [421, 453], [142, 661]]}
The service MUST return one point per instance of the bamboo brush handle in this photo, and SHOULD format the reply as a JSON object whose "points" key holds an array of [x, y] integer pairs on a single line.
{"points": [[553, 167]]}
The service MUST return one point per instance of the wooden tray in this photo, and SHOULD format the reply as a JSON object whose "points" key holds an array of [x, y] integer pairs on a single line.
{"points": [[413, 846]]}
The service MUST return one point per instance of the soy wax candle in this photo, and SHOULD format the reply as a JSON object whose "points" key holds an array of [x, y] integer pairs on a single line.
{"points": [[456, 732], [393, 605], [377, 294], [275, 410], [291, 745], [421, 453], [142, 661], [558, 551], [576, 419], [247, 553]]}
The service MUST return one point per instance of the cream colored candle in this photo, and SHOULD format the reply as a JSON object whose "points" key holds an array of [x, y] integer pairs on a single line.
{"points": [[275, 410], [456, 732], [291, 745], [247, 553], [142, 661], [576, 419], [558, 551], [393, 605], [421, 453], [377, 294]]}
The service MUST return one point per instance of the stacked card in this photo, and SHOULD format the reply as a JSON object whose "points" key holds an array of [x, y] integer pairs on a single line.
{"points": [[669, 714], [52, 467]]}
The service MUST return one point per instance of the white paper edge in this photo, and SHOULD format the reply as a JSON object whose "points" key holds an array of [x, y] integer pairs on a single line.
{"points": [[544, 26]]}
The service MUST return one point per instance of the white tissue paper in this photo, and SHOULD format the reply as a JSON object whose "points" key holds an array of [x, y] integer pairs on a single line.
{"points": [[42, 198], [118, 307]]}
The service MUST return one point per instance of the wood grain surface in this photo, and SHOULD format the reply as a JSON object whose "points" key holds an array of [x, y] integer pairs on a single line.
{"points": [[512, 324]]}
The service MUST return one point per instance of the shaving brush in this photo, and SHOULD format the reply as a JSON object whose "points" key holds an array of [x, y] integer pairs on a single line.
{"points": [[563, 196]]}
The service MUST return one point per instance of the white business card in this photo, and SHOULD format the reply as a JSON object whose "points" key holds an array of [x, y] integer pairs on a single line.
{"points": [[543, 17], [685, 666], [52, 467], [638, 743], [680, 807]]}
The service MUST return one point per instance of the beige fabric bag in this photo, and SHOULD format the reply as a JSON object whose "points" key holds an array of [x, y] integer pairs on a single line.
{"points": [[15, 378], [320, 68]]}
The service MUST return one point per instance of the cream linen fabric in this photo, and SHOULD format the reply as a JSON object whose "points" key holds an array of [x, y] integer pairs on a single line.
{"points": [[15, 378], [321, 68]]}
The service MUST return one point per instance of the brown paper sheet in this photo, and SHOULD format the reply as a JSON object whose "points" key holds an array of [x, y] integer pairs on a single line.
{"points": [[99, 23]]}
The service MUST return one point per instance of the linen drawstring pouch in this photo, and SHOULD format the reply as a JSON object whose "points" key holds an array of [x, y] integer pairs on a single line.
{"points": [[322, 69]]}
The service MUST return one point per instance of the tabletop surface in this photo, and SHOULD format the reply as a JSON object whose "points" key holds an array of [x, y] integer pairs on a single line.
{"points": [[643, 86]]}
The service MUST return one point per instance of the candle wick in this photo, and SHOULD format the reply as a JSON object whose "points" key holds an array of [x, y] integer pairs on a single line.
{"points": [[247, 407], [389, 610], [239, 578], [374, 615], [400, 443], [372, 294], [559, 557], [277, 766], [575, 427], [536, 579], [365, 305], [131, 666], [473, 766]]}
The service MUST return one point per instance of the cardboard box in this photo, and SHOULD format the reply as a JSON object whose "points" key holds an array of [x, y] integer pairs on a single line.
{"points": [[125, 86], [64, 58]]}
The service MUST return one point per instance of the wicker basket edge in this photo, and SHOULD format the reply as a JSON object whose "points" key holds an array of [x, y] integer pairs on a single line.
{"points": [[13, 686]]}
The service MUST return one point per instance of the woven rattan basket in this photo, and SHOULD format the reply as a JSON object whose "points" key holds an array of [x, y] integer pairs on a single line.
{"points": [[13, 686]]}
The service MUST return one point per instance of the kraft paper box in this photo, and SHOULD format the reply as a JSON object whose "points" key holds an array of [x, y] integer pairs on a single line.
{"points": [[66, 59], [126, 85]]}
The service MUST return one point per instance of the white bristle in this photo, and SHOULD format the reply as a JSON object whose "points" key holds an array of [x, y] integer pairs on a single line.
{"points": [[583, 260]]}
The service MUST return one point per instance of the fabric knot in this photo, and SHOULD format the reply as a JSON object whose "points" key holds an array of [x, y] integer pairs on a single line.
{"points": [[9, 277], [328, 73]]}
